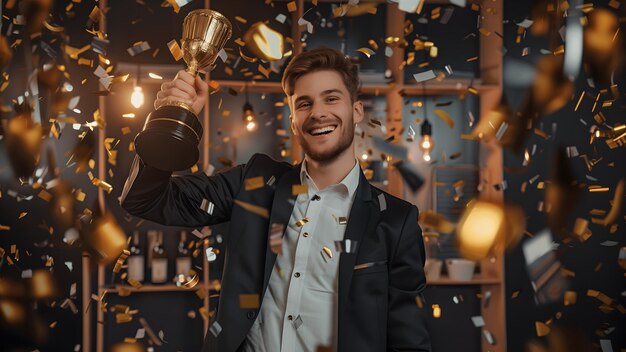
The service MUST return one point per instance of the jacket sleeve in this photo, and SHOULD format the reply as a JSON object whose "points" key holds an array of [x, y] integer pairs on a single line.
{"points": [[406, 322], [158, 196]]}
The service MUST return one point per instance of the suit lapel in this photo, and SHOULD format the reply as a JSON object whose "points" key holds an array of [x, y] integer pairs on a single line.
{"points": [[362, 220], [282, 206]]}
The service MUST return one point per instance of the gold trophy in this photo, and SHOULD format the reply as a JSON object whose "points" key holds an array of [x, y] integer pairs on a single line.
{"points": [[171, 134]]}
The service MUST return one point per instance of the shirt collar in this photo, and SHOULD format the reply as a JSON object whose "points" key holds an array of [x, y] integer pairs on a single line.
{"points": [[347, 186]]}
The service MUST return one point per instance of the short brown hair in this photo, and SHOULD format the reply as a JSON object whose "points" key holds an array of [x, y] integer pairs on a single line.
{"points": [[323, 58]]}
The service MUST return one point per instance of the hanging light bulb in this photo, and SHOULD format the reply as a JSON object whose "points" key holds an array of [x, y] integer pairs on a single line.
{"points": [[426, 143], [248, 115], [136, 99]]}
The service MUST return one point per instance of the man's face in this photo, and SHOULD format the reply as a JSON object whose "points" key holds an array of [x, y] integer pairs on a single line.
{"points": [[323, 116]]}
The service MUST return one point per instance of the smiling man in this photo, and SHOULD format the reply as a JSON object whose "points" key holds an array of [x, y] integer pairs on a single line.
{"points": [[336, 265]]}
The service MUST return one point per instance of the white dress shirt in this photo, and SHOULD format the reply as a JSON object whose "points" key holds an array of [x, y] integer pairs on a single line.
{"points": [[299, 309]]}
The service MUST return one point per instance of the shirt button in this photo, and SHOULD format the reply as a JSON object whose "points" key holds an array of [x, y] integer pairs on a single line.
{"points": [[306, 234], [296, 274], [250, 315], [290, 317]]}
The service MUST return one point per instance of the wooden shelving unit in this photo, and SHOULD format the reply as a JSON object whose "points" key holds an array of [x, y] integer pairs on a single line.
{"points": [[489, 89], [153, 288], [478, 279], [448, 86]]}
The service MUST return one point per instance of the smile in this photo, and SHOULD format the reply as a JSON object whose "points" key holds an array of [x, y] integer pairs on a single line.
{"points": [[322, 130]]}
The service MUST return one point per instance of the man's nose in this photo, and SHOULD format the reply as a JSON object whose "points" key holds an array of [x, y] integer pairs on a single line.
{"points": [[318, 110]]}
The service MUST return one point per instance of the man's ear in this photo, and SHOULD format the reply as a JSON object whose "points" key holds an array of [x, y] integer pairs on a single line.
{"points": [[358, 113], [292, 125]]}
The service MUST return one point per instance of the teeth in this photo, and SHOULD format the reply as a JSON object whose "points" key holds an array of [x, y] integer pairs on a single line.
{"points": [[323, 130]]}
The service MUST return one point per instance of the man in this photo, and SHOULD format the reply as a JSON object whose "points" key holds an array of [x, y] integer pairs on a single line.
{"points": [[336, 265]]}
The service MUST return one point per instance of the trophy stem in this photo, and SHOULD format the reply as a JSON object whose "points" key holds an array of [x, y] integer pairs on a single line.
{"points": [[193, 68]]}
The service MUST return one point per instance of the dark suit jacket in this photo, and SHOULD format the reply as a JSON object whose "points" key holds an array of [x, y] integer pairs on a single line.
{"points": [[377, 304]]}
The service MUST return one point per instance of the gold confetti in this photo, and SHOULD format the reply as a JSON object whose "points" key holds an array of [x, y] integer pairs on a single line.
{"points": [[327, 251], [254, 183], [435, 221], [177, 53], [292, 6], [442, 114], [189, 281], [102, 184], [569, 298], [616, 204], [302, 221], [542, 329], [45, 195], [264, 71], [255, 209], [42, 284], [299, 189], [22, 214], [366, 51], [249, 301], [436, 311]]}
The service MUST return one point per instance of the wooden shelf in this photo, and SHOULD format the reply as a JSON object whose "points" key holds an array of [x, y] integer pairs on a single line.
{"points": [[252, 86], [153, 288], [451, 86], [150, 288], [476, 280]]}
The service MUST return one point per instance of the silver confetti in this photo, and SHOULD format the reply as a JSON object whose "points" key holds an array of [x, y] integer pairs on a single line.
{"points": [[271, 181], [346, 246], [210, 255], [138, 49], [207, 206], [486, 299], [478, 321], [424, 76], [382, 201], [215, 328], [297, 322], [489, 337]]}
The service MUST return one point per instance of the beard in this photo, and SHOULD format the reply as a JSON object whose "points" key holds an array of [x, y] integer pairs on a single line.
{"points": [[329, 155]]}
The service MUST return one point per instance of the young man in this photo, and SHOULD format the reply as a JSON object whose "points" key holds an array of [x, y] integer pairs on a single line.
{"points": [[337, 266]]}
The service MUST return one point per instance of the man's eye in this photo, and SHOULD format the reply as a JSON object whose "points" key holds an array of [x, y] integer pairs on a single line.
{"points": [[303, 105], [332, 99]]}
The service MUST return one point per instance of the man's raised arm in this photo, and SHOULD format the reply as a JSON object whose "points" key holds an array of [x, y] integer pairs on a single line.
{"points": [[158, 196], [190, 200]]}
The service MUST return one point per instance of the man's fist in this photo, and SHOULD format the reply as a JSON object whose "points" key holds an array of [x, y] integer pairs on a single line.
{"points": [[186, 88]]}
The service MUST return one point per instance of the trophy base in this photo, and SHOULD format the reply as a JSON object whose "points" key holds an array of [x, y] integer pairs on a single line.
{"points": [[169, 139]]}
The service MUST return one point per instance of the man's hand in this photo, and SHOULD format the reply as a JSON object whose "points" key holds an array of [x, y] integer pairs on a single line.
{"points": [[190, 90]]}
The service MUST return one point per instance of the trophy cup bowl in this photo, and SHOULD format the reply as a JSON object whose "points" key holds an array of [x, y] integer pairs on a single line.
{"points": [[171, 134]]}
